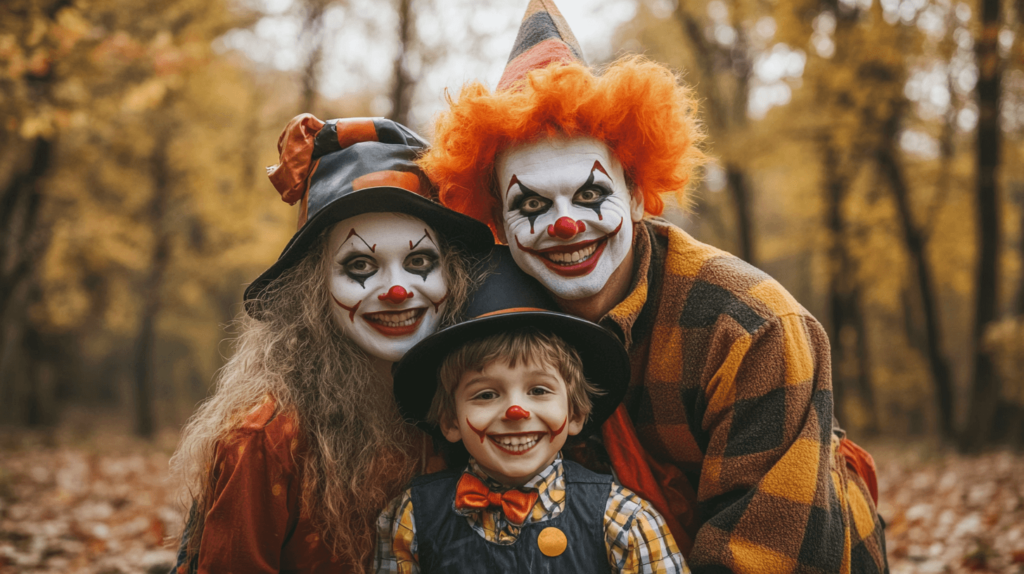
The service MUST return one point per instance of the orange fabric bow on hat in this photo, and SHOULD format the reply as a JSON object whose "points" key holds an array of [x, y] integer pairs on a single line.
{"points": [[296, 148], [473, 494]]}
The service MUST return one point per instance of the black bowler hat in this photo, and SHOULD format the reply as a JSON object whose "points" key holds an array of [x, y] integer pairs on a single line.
{"points": [[507, 300], [347, 167]]}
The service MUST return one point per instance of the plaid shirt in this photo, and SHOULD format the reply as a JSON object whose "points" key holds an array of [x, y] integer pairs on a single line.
{"points": [[636, 538], [732, 386]]}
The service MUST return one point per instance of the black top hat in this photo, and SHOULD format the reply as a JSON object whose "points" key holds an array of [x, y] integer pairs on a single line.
{"points": [[509, 299], [347, 167]]}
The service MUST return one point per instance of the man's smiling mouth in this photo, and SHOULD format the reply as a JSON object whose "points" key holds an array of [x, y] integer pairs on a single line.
{"points": [[396, 323], [516, 443], [573, 260]]}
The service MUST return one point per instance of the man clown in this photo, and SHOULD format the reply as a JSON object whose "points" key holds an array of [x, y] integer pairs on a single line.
{"points": [[727, 424]]}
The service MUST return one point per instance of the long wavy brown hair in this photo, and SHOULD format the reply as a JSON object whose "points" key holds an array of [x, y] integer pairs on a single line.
{"points": [[357, 447]]}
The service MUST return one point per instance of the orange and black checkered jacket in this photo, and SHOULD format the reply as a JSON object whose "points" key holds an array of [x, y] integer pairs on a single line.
{"points": [[731, 390]]}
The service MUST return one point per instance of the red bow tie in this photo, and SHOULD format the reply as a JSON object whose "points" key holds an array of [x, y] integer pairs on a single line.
{"points": [[472, 493]]}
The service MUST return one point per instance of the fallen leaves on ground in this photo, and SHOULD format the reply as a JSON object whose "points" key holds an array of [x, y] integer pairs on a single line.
{"points": [[109, 508], [75, 510], [951, 513]]}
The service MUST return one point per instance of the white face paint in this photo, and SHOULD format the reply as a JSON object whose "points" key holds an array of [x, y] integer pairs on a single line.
{"points": [[386, 281], [512, 420], [567, 213]]}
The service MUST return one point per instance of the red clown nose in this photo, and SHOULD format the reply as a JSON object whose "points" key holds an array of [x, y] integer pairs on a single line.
{"points": [[566, 228], [396, 295], [516, 413]]}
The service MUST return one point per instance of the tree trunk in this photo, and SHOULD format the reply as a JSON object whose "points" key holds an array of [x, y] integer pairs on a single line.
{"points": [[41, 407], [740, 190], [403, 84], [22, 243], [839, 265], [985, 390], [865, 384], [145, 412], [724, 116], [922, 272], [851, 368], [1019, 303]]}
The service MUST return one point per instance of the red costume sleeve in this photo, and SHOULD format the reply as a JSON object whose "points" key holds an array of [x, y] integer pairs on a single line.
{"points": [[255, 504]]}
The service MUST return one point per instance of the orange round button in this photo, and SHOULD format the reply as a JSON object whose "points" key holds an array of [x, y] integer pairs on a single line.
{"points": [[551, 541]]}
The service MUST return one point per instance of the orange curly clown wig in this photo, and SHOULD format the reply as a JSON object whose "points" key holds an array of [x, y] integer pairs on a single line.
{"points": [[636, 107]]}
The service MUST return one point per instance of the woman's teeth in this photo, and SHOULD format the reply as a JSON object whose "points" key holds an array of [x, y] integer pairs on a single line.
{"points": [[395, 318], [578, 256], [518, 443]]}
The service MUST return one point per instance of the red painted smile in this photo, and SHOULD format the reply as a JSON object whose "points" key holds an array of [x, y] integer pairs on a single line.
{"points": [[518, 443], [575, 259], [396, 323]]}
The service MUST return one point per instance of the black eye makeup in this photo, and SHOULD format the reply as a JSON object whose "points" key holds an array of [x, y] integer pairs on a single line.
{"points": [[530, 204], [422, 262], [591, 195], [359, 268]]}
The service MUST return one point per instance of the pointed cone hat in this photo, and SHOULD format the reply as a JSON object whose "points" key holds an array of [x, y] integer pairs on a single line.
{"points": [[544, 37]]}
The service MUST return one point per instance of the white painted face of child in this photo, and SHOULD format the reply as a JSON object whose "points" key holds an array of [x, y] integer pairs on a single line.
{"points": [[512, 420], [567, 213], [386, 281]]}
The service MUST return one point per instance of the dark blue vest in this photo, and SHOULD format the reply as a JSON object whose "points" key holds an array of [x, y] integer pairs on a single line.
{"points": [[448, 544]]}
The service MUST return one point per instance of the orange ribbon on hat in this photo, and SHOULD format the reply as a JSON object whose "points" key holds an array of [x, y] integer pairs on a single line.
{"points": [[473, 494], [296, 148]]}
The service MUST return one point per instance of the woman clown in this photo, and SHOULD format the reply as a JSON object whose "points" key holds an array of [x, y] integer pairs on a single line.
{"points": [[289, 462]]}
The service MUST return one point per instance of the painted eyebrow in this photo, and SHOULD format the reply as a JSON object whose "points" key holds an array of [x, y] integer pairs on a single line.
{"points": [[522, 188], [596, 167], [426, 235], [372, 248], [523, 192]]}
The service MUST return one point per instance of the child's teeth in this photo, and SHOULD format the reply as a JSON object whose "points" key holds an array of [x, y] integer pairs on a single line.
{"points": [[518, 443]]}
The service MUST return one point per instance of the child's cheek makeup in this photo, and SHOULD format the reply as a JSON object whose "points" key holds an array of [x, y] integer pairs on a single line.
{"points": [[479, 432], [518, 441], [556, 433]]}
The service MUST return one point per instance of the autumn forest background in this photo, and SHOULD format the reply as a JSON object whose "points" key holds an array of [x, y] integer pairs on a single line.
{"points": [[866, 153]]}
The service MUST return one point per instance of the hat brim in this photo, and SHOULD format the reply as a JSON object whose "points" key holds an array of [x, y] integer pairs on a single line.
{"points": [[453, 227], [605, 361]]}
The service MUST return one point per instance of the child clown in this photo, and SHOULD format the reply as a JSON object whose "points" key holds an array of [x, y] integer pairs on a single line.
{"points": [[511, 386]]}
